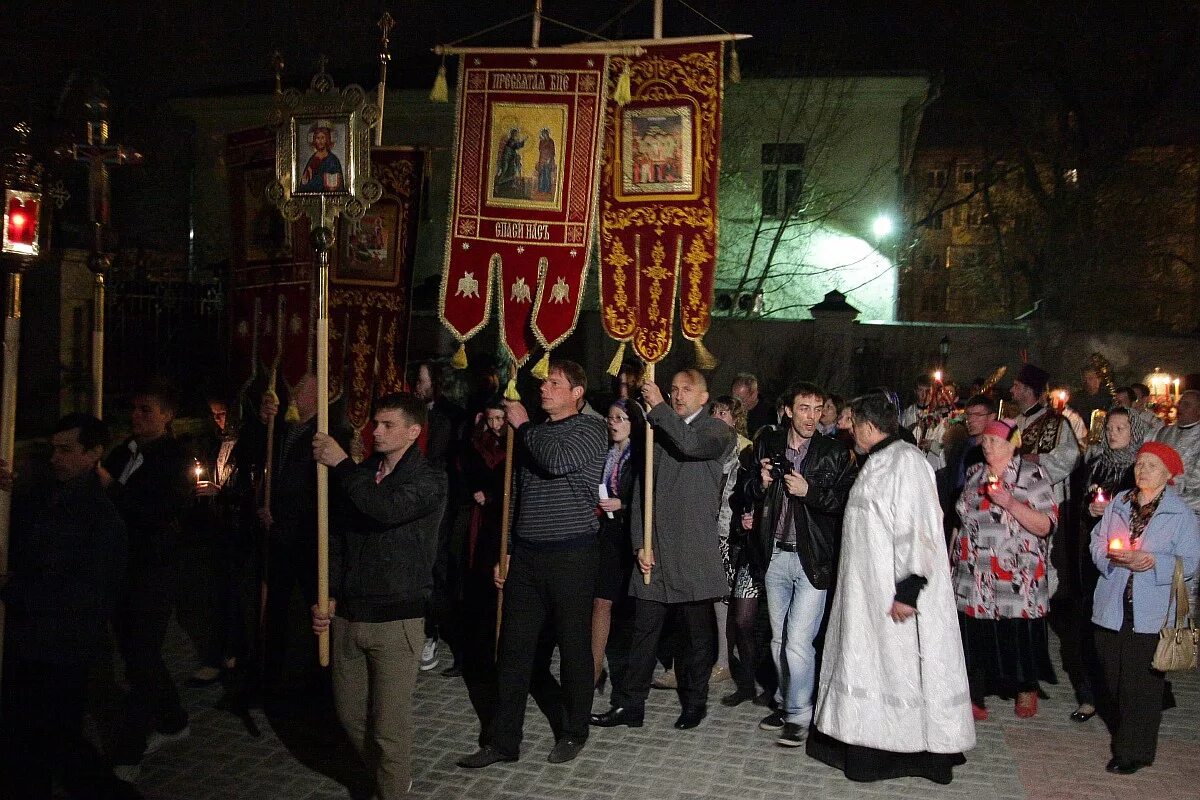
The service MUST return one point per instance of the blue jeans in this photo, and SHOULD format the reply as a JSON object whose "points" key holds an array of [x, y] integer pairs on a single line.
{"points": [[796, 610]]}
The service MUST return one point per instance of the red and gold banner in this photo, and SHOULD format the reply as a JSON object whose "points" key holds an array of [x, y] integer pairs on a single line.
{"points": [[370, 280], [658, 222], [523, 195]]}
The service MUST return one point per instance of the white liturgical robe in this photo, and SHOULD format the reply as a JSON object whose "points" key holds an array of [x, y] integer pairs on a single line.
{"points": [[900, 687]]}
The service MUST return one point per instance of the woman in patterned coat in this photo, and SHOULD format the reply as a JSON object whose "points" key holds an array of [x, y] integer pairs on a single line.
{"points": [[1001, 569]]}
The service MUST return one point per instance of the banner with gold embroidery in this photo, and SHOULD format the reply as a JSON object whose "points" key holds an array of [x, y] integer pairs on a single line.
{"points": [[658, 201], [370, 281], [523, 195]]}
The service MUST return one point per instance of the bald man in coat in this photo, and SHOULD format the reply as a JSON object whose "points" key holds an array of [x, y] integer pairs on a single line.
{"points": [[685, 568]]}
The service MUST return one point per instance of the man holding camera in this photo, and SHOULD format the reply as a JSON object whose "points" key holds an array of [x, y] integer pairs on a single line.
{"points": [[802, 483]]}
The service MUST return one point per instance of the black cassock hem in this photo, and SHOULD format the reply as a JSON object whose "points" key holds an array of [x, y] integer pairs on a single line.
{"points": [[866, 764]]}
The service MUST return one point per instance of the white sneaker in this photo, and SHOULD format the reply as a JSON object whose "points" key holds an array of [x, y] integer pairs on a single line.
{"points": [[157, 741], [128, 772], [429, 657]]}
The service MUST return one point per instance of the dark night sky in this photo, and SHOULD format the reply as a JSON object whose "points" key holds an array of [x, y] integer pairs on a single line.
{"points": [[149, 51]]}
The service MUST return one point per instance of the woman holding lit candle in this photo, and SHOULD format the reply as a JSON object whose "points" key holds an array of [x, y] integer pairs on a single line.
{"points": [[1107, 470], [1141, 534], [1001, 568]]}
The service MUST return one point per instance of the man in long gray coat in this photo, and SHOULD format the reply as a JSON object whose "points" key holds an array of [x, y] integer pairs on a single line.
{"points": [[685, 563]]}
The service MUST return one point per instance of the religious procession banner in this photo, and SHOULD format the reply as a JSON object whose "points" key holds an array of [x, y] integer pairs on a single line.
{"points": [[273, 321], [523, 196], [658, 202]]}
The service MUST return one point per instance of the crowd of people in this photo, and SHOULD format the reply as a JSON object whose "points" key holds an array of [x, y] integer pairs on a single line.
{"points": [[871, 574]]}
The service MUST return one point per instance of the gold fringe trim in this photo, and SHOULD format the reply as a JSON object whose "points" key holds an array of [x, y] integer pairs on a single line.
{"points": [[358, 451], [623, 93], [704, 358], [614, 366], [735, 66], [459, 359], [510, 391], [541, 370], [293, 413], [440, 93]]}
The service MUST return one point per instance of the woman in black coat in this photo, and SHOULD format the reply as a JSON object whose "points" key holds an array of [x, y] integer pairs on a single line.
{"points": [[615, 563]]}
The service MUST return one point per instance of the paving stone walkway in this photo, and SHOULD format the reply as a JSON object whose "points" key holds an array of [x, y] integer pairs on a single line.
{"points": [[300, 755]]}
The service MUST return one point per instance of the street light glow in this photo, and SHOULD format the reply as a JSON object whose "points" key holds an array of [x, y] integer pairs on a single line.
{"points": [[882, 226]]}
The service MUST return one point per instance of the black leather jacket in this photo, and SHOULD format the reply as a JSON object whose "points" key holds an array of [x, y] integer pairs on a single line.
{"points": [[830, 470]]}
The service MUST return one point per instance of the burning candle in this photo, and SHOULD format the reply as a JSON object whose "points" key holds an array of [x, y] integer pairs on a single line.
{"points": [[1061, 398], [1176, 385], [937, 376], [1115, 544], [199, 472], [1100, 498]]}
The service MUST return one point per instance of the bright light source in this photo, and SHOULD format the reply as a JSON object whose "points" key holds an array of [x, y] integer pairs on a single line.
{"points": [[883, 226]]}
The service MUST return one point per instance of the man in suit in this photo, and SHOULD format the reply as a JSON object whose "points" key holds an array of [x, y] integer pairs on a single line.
{"points": [[684, 564]]}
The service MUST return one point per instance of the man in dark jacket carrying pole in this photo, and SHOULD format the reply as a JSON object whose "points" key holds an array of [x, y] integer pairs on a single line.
{"points": [[381, 558], [690, 449], [802, 483]]}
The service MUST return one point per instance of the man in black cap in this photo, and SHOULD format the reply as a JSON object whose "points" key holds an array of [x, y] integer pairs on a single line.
{"points": [[1046, 435]]}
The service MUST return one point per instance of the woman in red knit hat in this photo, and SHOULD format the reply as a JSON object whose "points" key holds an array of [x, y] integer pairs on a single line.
{"points": [[1141, 536]]}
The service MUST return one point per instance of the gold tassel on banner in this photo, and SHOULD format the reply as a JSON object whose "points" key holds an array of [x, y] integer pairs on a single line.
{"points": [[623, 93], [440, 93], [459, 359], [705, 360], [541, 370], [292, 415], [735, 66], [614, 366], [510, 391]]}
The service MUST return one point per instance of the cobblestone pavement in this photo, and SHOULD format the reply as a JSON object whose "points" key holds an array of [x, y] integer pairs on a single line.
{"points": [[302, 755]]}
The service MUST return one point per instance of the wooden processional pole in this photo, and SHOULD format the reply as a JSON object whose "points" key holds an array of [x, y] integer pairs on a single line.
{"points": [[322, 243], [648, 477], [505, 519], [22, 201]]}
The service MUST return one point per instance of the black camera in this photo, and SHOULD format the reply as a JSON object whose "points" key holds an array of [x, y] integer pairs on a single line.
{"points": [[780, 466]]}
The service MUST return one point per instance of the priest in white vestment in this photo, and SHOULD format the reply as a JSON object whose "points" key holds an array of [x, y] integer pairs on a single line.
{"points": [[893, 698]]}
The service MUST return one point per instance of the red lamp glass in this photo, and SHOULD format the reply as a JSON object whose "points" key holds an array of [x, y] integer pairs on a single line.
{"points": [[22, 212]]}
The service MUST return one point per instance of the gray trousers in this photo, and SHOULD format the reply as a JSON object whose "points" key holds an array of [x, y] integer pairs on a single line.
{"points": [[374, 672]]}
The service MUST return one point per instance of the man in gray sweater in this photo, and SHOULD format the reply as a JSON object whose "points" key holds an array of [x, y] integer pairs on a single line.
{"points": [[552, 566]]}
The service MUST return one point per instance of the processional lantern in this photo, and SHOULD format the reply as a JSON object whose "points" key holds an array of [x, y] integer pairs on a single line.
{"points": [[323, 171], [18, 250]]}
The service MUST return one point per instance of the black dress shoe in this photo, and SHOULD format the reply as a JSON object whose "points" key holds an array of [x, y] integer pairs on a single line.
{"points": [[691, 717], [1127, 767], [1111, 766], [565, 750], [483, 757], [618, 716], [737, 698], [1082, 716]]}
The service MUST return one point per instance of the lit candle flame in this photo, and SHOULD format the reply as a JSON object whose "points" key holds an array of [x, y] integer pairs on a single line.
{"points": [[1115, 544], [1100, 498], [937, 376]]}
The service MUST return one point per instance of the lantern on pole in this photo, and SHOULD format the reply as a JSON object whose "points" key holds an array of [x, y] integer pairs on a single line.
{"points": [[19, 248]]}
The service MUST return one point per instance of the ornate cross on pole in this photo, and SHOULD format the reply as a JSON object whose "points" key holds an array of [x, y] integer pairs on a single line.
{"points": [[99, 154]]}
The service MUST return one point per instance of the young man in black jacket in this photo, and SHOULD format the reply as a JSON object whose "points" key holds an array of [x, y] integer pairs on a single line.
{"points": [[150, 480], [68, 558], [381, 558], [802, 482]]}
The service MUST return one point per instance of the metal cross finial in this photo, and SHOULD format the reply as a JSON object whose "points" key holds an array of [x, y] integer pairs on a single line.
{"points": [[59, 194], [322, 63], [386, 23]]}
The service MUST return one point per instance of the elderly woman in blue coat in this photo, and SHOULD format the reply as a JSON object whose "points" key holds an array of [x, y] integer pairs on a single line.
{"points": [[1135, 547]]}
